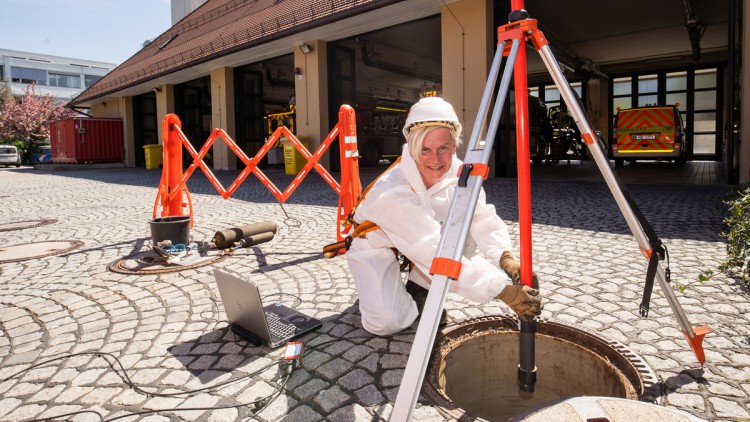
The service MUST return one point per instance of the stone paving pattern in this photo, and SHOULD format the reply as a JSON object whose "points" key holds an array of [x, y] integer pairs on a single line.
{"points": [[168, 330]]}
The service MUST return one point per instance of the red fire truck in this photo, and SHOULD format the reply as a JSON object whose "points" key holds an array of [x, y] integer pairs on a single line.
{"points": [[379, 123]]}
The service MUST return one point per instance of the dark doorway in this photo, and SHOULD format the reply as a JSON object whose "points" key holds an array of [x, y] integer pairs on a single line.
{"points": [[145, 125], [193, 107], [341, 61], [249, 109]]}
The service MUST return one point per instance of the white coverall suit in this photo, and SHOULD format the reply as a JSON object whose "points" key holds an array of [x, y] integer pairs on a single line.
{"points": [[410, 218]]}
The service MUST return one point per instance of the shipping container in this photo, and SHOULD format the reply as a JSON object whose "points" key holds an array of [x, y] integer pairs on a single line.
{"points": [[86, 140]]}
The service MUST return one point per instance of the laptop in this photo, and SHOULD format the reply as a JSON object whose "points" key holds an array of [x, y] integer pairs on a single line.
{"points": [[274, 324]]}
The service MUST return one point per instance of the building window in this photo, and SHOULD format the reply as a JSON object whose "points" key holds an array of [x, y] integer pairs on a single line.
{"points": [[622, 93], [696, 94], [550, 95], [64, 81], [27, 75], [90, 80], [705, 110], [648, 89], [676, 89]]}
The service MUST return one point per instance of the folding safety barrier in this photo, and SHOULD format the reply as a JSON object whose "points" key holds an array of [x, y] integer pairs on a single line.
{"points": [[173, 194]]}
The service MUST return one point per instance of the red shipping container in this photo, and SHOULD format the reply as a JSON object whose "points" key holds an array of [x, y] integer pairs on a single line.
{"points": [[86, 140]]}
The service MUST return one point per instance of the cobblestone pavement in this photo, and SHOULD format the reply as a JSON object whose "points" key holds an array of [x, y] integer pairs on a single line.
{"points": [[68, 315]]}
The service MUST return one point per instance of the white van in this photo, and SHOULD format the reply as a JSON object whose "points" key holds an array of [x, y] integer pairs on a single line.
{"points": [[9, 156]]}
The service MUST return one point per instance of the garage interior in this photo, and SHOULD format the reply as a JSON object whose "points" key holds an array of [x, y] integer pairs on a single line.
{"points": [[662, 53], [676, 51]]}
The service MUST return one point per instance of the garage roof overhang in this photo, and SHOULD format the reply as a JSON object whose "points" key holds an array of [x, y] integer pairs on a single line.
{"points": [[170, 60]]}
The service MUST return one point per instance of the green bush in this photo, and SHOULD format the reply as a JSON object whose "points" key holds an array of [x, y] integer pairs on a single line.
{"points": [[737, 233]]}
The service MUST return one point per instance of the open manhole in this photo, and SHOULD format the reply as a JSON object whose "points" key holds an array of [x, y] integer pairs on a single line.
{"points": [[25, 251], [20, 225], [474, 366]]}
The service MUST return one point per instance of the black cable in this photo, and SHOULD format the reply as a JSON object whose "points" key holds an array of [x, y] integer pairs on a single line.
{"points": [[297, 223], [267, 400], [298, 300], [264, 400]]}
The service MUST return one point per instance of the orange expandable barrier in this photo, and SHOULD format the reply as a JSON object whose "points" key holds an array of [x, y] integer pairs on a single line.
{"points": [[173, 195]]}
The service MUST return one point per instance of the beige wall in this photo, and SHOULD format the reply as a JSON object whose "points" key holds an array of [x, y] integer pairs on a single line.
{"points": [[128, 132], [164, 105], [468, 47], [597, 104], [311, 93], [222, 116]]}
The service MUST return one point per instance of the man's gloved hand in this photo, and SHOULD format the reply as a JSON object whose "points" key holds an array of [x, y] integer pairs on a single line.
{"points": [[525, 301], [513, 269]]}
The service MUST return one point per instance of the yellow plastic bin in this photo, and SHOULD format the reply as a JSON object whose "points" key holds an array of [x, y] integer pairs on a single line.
{"points": [[153, 156], [293, 159]]}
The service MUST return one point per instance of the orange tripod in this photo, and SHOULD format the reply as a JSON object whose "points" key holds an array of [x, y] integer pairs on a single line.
{"points": [[447, 263]]}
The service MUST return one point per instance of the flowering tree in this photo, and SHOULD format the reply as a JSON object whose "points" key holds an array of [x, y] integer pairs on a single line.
{"points": [[26, 120]]}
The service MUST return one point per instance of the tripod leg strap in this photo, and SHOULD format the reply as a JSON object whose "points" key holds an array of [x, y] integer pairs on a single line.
{"points": [[653, 262]]}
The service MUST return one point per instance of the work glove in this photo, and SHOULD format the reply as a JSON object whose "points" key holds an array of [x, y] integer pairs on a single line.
{"points": [[513, 269], [525, 301]]}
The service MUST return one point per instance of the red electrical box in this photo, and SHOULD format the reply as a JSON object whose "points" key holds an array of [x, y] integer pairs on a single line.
{"points": [[86, 140]]}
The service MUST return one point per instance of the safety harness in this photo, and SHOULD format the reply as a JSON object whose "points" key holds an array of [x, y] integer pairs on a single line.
{"points": [[361, 229]]}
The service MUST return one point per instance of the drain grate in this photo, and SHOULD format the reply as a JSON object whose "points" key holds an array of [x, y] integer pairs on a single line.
{"points": [[26, 251], [20, 225]]}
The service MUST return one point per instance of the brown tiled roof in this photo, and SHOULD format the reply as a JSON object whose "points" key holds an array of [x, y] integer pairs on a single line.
{"points": [[222, 27]]}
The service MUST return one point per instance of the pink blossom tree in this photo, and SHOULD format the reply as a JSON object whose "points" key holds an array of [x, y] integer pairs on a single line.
{"points": [[26, 120]]}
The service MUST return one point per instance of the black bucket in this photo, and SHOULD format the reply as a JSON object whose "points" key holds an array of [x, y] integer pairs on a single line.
{"points": [[175, 229]]}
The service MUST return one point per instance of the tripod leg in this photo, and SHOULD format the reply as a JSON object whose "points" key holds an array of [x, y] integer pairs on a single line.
{"points": [[695, 337], [527, 359], [452, 240]]}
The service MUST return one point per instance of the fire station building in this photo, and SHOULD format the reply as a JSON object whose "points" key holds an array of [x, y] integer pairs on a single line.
{"points": [[249, 66]]}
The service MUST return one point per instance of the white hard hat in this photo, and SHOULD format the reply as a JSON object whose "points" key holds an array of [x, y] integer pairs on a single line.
{"points": [[432, 111]]}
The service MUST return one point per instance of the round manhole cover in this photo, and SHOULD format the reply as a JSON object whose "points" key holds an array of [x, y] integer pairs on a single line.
{"points": [[20, 225], [33, 250], [149, 262]]}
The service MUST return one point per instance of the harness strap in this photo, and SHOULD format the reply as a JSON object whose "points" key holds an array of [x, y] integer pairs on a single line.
{"points": [[338, 248], [361, 229], [658, 251]]}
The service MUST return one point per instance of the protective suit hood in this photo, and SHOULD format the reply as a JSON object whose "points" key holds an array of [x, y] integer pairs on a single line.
{"points": [[411, 172]]}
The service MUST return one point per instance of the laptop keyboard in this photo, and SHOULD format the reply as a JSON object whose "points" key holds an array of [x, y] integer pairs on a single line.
{"points": [[279, 328]]}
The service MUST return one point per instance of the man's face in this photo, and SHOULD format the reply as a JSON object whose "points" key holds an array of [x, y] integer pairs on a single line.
{"points": [[436, 156]]}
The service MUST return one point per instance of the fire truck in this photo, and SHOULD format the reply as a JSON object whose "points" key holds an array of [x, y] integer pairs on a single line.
{"points": [[379, 123]]}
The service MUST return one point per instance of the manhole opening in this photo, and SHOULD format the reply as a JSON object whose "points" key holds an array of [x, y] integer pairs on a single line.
{"points": [[474, 366]]}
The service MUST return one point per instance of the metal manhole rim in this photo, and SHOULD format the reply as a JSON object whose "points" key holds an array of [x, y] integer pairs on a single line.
{"points": [[648, 379], [37, 223], [73, 245]]}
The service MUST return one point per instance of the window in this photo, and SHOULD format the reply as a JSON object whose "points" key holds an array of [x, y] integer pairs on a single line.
{"points": [[90, 80], [27, 75], [64, 81], [695, 91], [550, 95], [622, 94], [648, 87], [705, 110]]}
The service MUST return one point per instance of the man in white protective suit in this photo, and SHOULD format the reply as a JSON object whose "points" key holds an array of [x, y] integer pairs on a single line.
{"points": [[409, 204]]}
